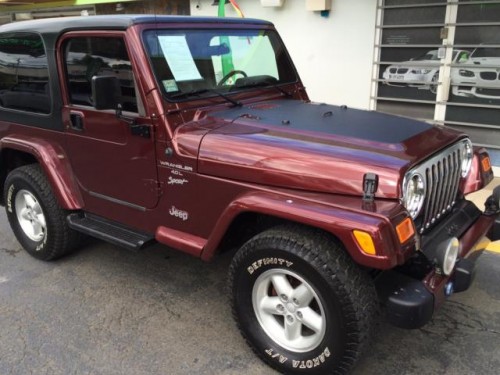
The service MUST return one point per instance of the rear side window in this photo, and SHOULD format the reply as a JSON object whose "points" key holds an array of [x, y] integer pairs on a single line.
{"points": [[24, 74], [86, 57]]}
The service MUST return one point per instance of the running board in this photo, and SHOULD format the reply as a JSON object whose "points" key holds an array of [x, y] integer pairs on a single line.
{"points": [[109, 231]]}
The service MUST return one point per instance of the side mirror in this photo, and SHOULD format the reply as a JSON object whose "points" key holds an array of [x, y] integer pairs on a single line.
{"points": [[106, 92]]}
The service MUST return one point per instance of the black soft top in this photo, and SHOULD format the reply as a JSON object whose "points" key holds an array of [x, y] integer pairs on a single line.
{"points": [[115, 22]]}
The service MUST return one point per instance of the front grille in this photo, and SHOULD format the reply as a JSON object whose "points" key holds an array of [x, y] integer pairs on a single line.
{"points": [[442, 175], [402, 70], [488, 76]]}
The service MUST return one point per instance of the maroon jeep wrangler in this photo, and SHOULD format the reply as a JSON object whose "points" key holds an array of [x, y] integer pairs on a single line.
{"points": [[197, 133]]}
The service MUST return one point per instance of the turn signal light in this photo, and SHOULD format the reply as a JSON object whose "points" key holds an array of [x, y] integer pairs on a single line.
{"points": [[405, 230], [486, 164], [365, 241]]}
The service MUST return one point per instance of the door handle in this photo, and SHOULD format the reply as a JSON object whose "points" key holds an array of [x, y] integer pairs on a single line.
{"points": [[76, 120], [141, 130]]}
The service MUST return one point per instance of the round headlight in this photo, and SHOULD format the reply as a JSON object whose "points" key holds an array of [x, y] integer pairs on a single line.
{"points": [[467, 156], [414, 194]]}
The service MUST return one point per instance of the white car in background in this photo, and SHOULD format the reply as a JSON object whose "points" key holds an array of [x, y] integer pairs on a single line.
{"points": [[421, 72], [479, 76]]}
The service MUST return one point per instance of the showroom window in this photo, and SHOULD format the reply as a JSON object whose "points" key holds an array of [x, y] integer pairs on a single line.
{"points": [[439, 61]]}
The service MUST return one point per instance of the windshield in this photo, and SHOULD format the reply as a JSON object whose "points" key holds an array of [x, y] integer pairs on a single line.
{"points": [[486, 52], [195, 62], [431, 55]]}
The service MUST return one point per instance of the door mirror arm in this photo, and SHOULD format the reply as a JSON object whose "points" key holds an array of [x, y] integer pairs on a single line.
{"points": [[135, 129], [119, 115]]}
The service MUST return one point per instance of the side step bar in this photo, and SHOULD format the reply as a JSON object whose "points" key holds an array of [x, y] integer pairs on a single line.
{"points": [[109, 231]]}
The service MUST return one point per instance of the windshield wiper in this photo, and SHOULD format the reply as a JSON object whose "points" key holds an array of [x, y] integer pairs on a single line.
{"points": [[203, 91], [265, 84]]}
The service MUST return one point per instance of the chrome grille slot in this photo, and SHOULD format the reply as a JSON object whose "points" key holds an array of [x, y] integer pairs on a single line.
{"points": [[442, 175], [449, 182]]}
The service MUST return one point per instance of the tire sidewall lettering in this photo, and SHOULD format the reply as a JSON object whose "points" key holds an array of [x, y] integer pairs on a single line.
{"points": [[300, 364], [9, 198], [315, 359], [273, 261]]}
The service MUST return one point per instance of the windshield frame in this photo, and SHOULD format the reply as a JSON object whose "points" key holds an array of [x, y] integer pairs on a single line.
{"points": [[283, 59]]}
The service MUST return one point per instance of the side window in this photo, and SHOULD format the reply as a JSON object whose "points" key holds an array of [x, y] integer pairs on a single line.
{"points": [[86, 57], [24, 75]]}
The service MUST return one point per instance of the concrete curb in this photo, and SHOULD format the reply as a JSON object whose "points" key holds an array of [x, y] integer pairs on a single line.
{"points": [[494, 247]]}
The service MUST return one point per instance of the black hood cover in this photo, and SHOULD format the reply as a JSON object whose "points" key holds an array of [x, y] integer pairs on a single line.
{"points": [[330, 119]]}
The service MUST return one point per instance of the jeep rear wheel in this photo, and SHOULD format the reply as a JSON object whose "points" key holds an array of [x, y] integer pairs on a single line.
{"points": [[300, 302], [35, 217]]}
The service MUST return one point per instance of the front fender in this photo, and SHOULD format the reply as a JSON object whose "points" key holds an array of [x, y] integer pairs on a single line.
{"points": [[338, 221], [55, 164]]}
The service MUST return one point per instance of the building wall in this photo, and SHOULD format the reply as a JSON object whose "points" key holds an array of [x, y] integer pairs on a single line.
{"points": [[334, 54], [178, 7]]}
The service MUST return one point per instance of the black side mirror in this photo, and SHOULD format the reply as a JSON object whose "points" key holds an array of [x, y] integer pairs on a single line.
{"points": [[106, 92]]}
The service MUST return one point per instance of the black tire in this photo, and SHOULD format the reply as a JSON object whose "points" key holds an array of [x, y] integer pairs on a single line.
{"points": [[345, 297], [56, 238], [434, 83]]}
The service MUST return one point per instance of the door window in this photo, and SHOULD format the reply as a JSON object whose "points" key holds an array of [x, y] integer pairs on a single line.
{"points": [[86, 57]]}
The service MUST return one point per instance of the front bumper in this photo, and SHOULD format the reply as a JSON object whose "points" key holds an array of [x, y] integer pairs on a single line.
{"points": [[494, 234], [413, 292], [484, 91], [409, 303]]}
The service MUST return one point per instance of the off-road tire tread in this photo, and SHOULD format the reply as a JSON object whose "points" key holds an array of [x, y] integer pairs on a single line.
{"points": [[354, 287], [63, 239]]}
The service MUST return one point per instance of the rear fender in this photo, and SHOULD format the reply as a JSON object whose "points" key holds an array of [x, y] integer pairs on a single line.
{"points": [[337, 221], [54, 163]]}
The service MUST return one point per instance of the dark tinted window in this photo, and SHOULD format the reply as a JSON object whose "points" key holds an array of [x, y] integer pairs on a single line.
{"points": [[87, 57], [24, 76]]}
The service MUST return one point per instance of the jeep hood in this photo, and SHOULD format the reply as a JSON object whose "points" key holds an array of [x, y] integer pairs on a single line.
{"points": [[317, 147]]}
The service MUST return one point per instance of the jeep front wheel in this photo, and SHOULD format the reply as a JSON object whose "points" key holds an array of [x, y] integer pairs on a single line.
{"points": [[300, 301], [35, 217]]}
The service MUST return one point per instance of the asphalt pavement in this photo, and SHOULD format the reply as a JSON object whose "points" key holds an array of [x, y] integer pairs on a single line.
{"points": [[104, 310]]}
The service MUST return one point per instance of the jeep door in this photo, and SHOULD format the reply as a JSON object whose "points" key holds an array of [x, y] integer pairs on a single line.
{"points": [[111, 160]]}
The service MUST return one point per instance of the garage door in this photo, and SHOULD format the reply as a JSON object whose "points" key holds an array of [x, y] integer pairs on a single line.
{"points": [[439, 61]]}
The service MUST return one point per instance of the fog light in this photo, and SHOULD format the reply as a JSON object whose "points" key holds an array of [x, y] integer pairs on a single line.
{"points": [[446, 255]]}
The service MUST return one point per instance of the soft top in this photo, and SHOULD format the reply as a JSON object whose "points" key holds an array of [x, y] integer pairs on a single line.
{"points": [[115, 22]]}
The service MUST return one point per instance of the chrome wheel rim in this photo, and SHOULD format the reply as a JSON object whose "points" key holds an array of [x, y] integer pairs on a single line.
{"points": [[30, 215], [289, 310]]}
